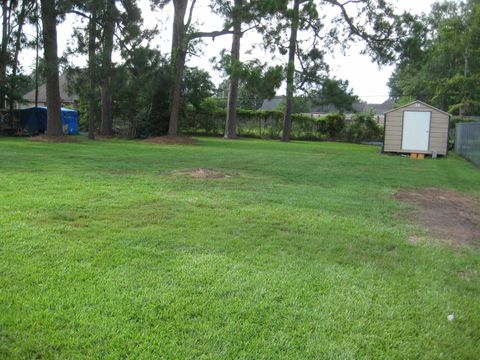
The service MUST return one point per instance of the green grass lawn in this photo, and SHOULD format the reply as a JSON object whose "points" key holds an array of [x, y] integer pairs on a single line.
{"points": [[302, 253]]}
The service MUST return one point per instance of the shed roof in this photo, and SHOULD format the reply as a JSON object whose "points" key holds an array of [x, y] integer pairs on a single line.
{"points": [[418, 102]]}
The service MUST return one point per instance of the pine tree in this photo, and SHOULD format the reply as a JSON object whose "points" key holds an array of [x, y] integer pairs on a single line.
{"points": [[49, 21]]}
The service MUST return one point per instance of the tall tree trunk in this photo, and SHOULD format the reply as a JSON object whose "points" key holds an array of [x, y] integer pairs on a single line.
{"points": [[179, 54], [92, 30], [4, 53], [106, 127], [176, 96], [231, 122], [49, 20], [18, 44], [287, 126], [37, 46], [466, 71]]}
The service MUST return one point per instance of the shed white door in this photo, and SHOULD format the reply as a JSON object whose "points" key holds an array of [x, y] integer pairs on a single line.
{"points": [[416, 130]]}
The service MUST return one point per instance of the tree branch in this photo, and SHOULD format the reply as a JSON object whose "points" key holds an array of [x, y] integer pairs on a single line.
{"points": [[120, 41], [76, 12], [190, 15], [212, 34]]}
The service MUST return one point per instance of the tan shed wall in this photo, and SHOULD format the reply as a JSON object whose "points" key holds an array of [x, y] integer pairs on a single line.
{"points": [[438, 129]]}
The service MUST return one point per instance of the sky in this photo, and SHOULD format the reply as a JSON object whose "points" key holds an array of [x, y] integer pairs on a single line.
{"points": [[368, 80]]}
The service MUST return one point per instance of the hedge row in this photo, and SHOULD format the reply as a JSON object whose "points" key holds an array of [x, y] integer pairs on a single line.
{"points": [[269, 124]]}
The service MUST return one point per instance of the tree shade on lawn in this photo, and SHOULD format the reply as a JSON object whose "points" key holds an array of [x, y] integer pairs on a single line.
{"points": [[301, 252]]}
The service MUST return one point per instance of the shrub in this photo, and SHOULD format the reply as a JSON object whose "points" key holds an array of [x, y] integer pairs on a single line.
{"points": [[331, 125], [363, 128]]}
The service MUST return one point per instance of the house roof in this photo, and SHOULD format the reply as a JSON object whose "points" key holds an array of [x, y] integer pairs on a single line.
{"points": [[418, 102], [323, 108], [66, 93], [382, 108], [378, 109], [271, 104]]}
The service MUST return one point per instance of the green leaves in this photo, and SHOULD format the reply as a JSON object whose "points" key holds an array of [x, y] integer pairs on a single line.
{"points": [[440, 59], [197, 86], [460, 93], [258, 80], [334, 92]]}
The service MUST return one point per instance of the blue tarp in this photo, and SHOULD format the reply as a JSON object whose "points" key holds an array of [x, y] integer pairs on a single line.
{"points": [[34, 119]]}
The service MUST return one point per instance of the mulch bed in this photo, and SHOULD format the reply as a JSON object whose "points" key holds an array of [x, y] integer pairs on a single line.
{"points": [[446, 214], [54, 139], [172, 140], [103, 137]]}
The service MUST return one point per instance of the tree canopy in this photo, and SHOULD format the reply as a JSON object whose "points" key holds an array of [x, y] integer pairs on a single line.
{"points": [[441, 64], [437, 57]]}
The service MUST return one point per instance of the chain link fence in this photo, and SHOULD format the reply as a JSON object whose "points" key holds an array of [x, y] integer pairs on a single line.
{"points": [[467, 141]]}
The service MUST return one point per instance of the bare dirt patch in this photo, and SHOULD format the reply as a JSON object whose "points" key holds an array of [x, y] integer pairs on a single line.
{"points": [[467, 274], [54, 139], [415, 239], [172, 140], [201, 173], [447, 215]]}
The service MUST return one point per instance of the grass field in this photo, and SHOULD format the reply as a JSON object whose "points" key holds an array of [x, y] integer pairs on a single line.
{"points": [[109, 251]]}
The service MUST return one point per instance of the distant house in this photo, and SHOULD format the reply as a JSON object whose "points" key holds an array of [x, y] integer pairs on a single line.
{"points": [[67, 96], [322, 110], [272, 104], [377, 109], [316, 110]]}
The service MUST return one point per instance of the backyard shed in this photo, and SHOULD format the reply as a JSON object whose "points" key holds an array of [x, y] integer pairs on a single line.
{"points": [[416, 128], [34, 119]]}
